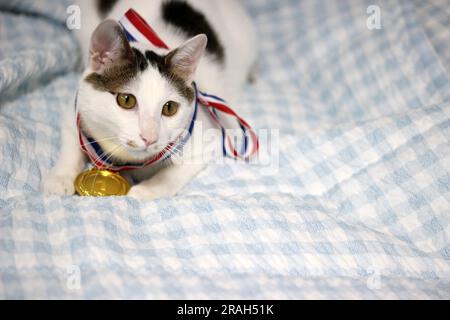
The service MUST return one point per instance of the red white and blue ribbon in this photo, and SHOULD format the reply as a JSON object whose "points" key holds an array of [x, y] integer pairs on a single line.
{"points": [[250, 143], [138, 30]]}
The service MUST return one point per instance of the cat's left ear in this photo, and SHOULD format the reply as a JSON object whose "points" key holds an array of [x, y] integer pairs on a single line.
{"points": [[109, 46], [183, 61]]}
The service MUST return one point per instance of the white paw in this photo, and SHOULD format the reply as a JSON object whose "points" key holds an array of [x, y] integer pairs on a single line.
{"points": [[58, 185], [147, 193]]}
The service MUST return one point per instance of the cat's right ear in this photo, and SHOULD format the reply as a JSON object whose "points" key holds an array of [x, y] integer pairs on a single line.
{"points": [[109, 46]]}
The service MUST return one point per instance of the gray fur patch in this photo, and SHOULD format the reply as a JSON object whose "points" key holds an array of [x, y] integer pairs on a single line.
{"points": [[115, 78]]}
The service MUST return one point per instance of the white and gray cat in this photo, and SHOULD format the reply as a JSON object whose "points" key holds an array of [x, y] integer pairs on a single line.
{"points": [[134, 100]]}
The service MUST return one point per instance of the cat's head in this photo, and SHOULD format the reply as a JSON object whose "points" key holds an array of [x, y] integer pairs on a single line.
{"points": [[135, 101]]}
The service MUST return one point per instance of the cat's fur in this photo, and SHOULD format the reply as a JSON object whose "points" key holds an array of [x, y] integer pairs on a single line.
{"points": [[154, 76]]}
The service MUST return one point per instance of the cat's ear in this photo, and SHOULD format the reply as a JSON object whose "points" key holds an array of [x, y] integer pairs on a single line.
{"points": [[183, 61], [109, 46]]}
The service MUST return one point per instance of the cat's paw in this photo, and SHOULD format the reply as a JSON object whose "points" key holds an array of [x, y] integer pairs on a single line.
{"points": [[147, 193], [58, 185], [141, 193]]}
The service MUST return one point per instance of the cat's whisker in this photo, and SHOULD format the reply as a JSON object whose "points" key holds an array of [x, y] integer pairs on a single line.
{"points": [[106, 160], [173, 153], [100, 156], [101, 140]]}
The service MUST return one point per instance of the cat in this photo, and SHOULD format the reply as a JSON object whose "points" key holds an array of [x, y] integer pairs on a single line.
{"points": [[134, 99]]}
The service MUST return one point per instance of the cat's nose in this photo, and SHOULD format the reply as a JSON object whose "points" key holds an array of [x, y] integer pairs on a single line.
{"points": [[149, 130], [149, 140]]}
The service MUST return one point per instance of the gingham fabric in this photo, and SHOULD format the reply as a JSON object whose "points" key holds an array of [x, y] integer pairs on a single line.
{"points": [[358, 206]]}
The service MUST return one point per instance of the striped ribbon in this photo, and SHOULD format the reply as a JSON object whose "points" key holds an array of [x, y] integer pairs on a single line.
{"points": [[138, 30]]}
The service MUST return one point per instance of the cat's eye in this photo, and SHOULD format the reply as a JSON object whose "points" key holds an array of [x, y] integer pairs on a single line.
{"points": [[170, 109], [126, 101]]}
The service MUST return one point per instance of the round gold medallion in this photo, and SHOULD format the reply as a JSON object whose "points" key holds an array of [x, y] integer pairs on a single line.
{"points": [[101, 183]]}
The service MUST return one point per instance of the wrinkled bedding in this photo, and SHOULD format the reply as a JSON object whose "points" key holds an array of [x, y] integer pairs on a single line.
{"points": [[358, 205]]}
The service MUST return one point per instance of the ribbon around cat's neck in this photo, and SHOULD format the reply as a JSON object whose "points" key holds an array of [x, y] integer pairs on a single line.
{"points": [[138, 30]]}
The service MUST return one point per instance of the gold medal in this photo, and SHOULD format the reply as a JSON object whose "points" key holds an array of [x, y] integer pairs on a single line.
{"points": [[101, 183]]}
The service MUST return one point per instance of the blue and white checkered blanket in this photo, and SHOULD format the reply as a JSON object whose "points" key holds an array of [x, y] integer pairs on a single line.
{"points": [[360, 204]]}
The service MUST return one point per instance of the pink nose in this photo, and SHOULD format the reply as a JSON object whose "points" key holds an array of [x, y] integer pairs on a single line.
{"points": [[148, 140]]}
